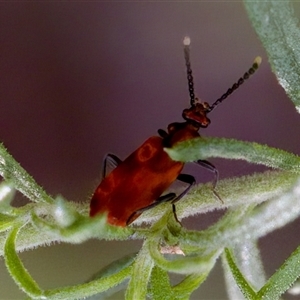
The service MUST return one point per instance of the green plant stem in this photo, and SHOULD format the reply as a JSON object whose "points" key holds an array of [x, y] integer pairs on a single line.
{"points": [[11, 170]]}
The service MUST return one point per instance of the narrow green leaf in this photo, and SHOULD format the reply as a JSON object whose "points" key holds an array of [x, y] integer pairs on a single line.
{"points": [[203, 148], [17, 270], [223, 233], [244, 286], [184, 289], [141, 272], [160, 287], [93, 287], [111, 269], [115, 266], [82, 228], [7, 193], [254, 224], [12, 171], [248, 259], [272, 214], [255, 188], [277, 28], [6, 221], [40, 231], [283, 278]]}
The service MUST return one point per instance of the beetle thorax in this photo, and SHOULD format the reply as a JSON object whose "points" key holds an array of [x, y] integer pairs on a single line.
{"points": [[178, 132]]}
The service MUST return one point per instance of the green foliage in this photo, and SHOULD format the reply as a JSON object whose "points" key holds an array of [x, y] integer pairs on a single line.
{"points": [[278, 30], [256, 205]]}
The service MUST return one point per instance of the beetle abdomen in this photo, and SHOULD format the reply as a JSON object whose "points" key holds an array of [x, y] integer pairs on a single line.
{"points": [[135, 183]]}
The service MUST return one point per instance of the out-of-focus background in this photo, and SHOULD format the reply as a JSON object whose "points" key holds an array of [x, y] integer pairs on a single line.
{"points": [[82, 79]]}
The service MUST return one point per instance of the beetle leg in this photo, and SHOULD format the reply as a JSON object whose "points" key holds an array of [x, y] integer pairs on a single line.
{"points": [[161, 199], [110, 162], [187, 179], [162, 133], [166, 198], [209, 166]]}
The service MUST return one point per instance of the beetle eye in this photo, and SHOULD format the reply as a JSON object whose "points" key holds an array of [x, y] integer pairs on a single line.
{"points": [[172, 127], [205, 105]]}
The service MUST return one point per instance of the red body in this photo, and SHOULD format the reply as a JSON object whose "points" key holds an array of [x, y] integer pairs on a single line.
{"points": [[136, 183], [141, 178]]}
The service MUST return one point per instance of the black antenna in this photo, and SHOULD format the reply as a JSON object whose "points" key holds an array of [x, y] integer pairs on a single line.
{"points": [[251, 71], [186, 43]]}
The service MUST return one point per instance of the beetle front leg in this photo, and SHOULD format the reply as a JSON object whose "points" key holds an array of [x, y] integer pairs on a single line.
{"points": [[209, 166]]}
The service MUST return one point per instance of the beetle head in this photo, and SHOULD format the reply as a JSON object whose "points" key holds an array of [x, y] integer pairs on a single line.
{"points": [[197, 114]]}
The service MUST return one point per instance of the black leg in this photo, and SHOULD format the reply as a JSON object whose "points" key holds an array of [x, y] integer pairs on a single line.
{"points": [[162, 133], [209, 166], [110, 162], [166, 198], [186, 178], [161, 199]]}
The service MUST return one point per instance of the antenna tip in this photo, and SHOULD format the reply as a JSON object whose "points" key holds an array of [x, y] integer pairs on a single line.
{"points": [[257, 60], [186, 41]]}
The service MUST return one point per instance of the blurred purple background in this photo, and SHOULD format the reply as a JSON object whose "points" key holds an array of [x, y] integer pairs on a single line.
{"points": [[79, 80]]}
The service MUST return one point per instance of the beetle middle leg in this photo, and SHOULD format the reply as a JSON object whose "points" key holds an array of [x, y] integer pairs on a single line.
{"points": [[186, 178]]}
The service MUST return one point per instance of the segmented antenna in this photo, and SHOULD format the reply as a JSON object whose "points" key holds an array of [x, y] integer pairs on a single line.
{"points": [[186, 43], [251, 71]]}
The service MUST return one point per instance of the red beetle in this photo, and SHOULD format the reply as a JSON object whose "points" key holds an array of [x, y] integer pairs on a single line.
{"points": [[137, 183]]}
